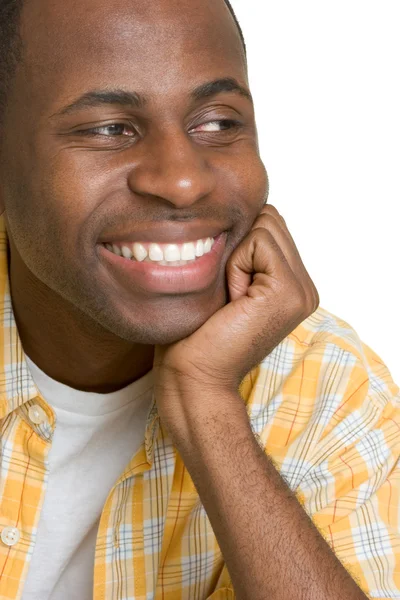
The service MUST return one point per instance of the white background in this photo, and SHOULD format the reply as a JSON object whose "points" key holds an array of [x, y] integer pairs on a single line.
{"points": [[325, 78]]}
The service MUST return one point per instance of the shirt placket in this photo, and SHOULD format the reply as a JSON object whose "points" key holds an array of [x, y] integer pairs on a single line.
{"points": [[26, 436], [119, 558]]}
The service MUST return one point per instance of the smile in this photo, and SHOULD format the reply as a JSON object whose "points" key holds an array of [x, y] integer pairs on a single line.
{"points": [[171, 255], [156, 268]]}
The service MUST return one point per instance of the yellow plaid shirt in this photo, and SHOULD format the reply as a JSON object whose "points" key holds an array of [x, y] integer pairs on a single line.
{"points": [[326, 410]]}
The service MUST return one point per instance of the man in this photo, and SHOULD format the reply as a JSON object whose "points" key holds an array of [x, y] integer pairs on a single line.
{"points": [[174, 405]]}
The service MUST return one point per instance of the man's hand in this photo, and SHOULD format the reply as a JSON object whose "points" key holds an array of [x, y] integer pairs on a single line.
{"points": [[271, 293], [254, 514]]}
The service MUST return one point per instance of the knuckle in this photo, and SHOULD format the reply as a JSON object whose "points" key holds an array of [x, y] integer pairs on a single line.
{"points": [[266, 237], [260, 223], [261, 233], [269, 221], [270, 209]]}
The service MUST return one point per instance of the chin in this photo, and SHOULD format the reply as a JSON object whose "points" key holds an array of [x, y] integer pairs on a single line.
{"points": [[161, 336], [161, 325], [160, 332]]}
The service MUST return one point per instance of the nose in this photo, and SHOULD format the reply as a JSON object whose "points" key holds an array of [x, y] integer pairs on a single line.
{"points": [[173, 168]]}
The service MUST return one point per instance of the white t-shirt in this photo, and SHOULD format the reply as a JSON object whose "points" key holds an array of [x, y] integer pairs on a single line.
{"points": [[96, 436]]}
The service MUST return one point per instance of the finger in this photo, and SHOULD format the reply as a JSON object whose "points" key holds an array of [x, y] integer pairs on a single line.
{"points": [[260, 254], [284, 239], [270, 209], [270, 218], [274, 222]]}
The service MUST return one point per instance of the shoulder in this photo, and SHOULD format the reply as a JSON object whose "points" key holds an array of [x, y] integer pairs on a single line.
{"points": [[326, 410], [320, 393], [324, 349], [325, 328]]}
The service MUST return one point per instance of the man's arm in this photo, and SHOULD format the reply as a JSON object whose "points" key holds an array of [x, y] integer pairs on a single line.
{"points": [[271, 547]]}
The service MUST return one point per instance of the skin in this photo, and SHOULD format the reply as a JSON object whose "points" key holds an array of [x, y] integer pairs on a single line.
{"points": [[254, 514], [62, 192]]}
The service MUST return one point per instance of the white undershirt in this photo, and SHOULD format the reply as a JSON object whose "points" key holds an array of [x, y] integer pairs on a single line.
{"points": [[96, 436]]}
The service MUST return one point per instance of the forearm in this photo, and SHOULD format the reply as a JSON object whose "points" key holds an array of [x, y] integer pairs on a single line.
{"points": [[271, 547]]}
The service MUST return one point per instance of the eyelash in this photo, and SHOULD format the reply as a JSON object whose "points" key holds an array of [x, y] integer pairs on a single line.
{"points": [[95, 131]]}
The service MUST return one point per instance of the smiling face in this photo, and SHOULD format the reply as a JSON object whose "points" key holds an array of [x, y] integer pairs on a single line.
{"points": [[130, 130]]}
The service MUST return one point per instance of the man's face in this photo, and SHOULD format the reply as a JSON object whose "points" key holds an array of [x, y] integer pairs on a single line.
{"points": [[168, 162]]}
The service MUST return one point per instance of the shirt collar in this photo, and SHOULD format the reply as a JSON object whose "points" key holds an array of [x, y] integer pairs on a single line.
{"points": [[16, 383]]}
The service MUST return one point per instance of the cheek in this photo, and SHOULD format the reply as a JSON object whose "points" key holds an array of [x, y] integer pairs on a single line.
{"points": [[256, 178], [81, 187], [63, 200], [36, 199], [44, 214], [250, 187]]}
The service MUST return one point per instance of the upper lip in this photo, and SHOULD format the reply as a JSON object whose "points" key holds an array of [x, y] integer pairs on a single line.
{"points": [[164, 233]]}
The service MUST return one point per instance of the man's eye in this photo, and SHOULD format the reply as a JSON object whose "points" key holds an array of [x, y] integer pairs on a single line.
{"points": [[217, 126], [113, 130]]}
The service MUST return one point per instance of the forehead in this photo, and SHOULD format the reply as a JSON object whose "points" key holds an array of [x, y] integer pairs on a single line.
{"points": [[146, 45]]}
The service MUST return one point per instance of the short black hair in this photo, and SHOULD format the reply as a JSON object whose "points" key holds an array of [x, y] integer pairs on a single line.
{"points": [[11, 43]]}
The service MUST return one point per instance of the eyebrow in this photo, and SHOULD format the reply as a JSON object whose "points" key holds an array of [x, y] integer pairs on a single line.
{"points": [[96, 98], [218, 86]]}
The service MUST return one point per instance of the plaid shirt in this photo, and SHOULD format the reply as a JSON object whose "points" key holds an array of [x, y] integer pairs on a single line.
{"points": [[323, 405]]}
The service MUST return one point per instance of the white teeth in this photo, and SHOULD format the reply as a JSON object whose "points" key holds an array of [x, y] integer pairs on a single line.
{"points": [[155, 252], [188, 251], [208, 245], [139, 252], [199, 248], [178, 263], [172, 253], [126, 252]]}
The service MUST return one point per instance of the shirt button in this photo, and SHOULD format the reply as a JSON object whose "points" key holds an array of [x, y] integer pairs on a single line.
{"points": [[37, 414], [10, 536]]}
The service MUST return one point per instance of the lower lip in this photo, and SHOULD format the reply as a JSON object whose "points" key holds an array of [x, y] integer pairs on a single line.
{"points": [[159, 279]]}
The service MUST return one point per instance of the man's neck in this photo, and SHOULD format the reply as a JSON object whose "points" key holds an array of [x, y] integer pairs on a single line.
{"points": [[66, 344]]}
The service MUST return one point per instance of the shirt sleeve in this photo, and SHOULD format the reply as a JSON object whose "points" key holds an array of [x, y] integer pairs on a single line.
{"points": [[332, 427]]}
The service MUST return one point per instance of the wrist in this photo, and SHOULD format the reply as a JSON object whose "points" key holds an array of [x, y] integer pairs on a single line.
{"points": [[209, 417]]}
